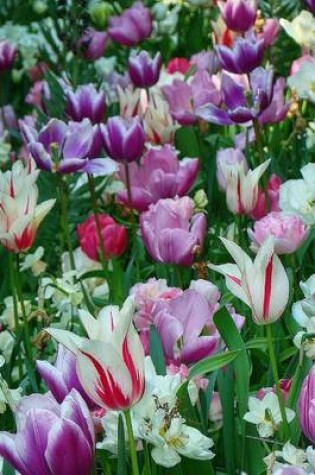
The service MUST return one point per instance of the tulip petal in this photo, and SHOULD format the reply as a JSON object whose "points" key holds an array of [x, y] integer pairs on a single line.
{"points": [[66, 338], [8, 451]]}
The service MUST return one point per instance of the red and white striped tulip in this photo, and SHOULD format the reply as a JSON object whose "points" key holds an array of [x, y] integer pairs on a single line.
{"points": [[110, 365], [262, 284]]}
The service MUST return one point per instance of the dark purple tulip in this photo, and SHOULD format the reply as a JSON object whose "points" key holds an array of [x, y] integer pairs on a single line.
{"points": [[86, 102], [239, 15], [143, 70], [306, 406], [132, 26], [65, 149], [246, 55], [171, 232], [7, 55], [159, 175], [123, 138], [311, 5], [61, 377], [51, 439]]}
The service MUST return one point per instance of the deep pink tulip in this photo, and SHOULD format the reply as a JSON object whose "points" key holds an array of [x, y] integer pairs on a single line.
{"points": [[132, 26], [171, 231], [159, 175]]}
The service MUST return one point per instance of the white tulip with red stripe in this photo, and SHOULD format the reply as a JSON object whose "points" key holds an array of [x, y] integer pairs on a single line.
{"points": [[262, 284], [110, 365]]}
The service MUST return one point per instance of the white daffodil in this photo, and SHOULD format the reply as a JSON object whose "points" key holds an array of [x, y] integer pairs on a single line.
{"points": [[34, 262], [303, 312], [266, 414], [292, 455], [64, 292], [7, 317]]}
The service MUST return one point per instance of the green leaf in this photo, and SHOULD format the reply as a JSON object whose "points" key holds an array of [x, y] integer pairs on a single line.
{"points": [[212, 363], [7, 469], [121, 463], [226, 391], [156, 351]]}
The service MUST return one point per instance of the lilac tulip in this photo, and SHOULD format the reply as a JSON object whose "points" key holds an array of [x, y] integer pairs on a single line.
{"points": [[184, 98], [245, 55], [7, 55], [171, 231], [239, 15], [86, 102], [159, 175], [306, 406], [123, 138], [61, 377], [206, 60], [132, 26], [143, 70], [65, 149], [180, 323], [51, 439], [266, 100]]}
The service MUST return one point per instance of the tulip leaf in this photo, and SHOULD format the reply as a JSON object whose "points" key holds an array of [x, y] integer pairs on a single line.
{"points": [[7, 469], [156, 351], [212, 363], [226, 392], [121, 462]]}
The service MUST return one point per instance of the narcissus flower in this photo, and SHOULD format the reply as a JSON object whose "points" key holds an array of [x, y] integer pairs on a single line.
{"points": [[262, 284]]}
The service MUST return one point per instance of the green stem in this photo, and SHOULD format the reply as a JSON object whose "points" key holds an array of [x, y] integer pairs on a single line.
{"points": [[132, 444], [273, 362], [147, 459], [63, 202], [259, 143], [15, 308], [133, 221]]}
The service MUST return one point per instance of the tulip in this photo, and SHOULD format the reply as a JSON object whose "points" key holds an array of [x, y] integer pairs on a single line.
{"points": [[306, 406], [311, 5], [242, 186], [114, 237], [159, 175], [273, 189], [132, 26], [144, 72], [289, 232], [86, 102], [239, 15], [110, 365], [245, 55], [20, 215], [206, 60], [171, 232], [227, 159], [270, 30], [158, 123], [7, 55], [123, 139], [130, 101], [178, 65], [66, 149], [93, 44], [50, 437], [62, 377], [262, 284]]}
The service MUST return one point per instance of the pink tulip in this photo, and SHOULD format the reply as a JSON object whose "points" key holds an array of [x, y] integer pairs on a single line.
{"points": [[296, 65], [306, 406], [288, 231], [285, 386]]}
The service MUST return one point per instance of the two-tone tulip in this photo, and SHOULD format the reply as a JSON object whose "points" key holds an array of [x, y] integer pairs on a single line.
{"points": [[86, 102], [261, 284]]}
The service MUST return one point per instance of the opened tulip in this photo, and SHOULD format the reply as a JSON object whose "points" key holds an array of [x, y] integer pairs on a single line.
{"points": [[172, 232], [262, 284], [110, 365], [306, 406], [132, 26], [51, 439]]}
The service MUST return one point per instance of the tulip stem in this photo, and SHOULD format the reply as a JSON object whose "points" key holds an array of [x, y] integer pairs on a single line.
{"points": [[273, 362], [132, 444], [15, 308], [133, 221], [63, 202]]}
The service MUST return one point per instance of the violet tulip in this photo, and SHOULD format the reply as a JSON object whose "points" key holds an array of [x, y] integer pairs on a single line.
{"points": [[159, 175], [123, 138], [61, 377], [143, 70], [132, 26], [93, 44], [306, 406], [86, 102], [65, 149], [51, 439], [261, 284], [245, 55], [289, 232], [239, 15], [171, 231], [7, 55]]}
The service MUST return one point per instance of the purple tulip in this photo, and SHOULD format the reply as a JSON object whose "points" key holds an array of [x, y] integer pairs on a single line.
{"points": [[246, 55], [180, 323], [171, 231], [61, 377], [306, 406], [93, 43], [159, 175], [123, 138], [311, 5], [65, 149], [51, 439], [143, 70], [86, 102], [184, 98], [239, 15], [7, 55], [266, 103], [132, 26]]}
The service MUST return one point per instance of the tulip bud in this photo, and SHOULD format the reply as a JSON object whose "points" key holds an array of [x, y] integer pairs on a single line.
{"points": [[132, 26], [143, 71], [239, 15], [100, 12]]}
